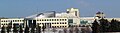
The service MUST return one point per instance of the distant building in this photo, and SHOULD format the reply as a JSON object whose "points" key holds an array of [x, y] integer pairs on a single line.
{"points": [[17, 21], [49, 19], [52, 19]]}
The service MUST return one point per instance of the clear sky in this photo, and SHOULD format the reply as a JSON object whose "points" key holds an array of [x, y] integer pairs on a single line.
{"points": [[23, 8]]}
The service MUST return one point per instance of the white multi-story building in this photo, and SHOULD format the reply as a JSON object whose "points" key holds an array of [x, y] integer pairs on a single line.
{"points": [[6, 22], [52, 19], [49, 19]]}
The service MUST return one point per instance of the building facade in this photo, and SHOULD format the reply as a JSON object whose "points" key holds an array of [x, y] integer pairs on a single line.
{"points": [[51, 19], [11, 21]]}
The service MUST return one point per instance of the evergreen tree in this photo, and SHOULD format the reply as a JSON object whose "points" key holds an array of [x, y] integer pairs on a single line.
{"points": [[43, 27], [38, 29], [3, 29], [8, 29], [26, 29], [32, 29], [15, 28], [115, 24], [104, 25], [95, 27], [20, 29]]}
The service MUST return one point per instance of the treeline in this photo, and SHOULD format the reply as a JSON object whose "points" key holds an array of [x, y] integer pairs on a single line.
{"points": [[103, 25], [20, 29]]}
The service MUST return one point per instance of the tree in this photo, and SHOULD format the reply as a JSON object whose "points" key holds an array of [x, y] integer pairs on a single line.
{"points": [[104, 25], [54, 29], [3, 29], [95, 27], [43, 27], [60, 31], [15, 28], [76, 30], [71, 29], [20, 29], [32, 30], [115, 24], [38, 29], [26, 29], [9, 27]]}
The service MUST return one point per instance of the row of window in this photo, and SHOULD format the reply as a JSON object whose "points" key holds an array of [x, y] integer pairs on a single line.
{"points": [[6, 24], [12, 21], [54, 23], [58, 26], [51, 20]]}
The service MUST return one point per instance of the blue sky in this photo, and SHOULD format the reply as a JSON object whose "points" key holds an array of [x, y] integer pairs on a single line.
{"points": [[23, 8]]}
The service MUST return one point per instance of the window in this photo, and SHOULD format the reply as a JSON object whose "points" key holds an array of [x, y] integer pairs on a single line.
{"points": [[65, 26], [52, 23], [13, 21], [65, 22], [62, 19], [70, 21], [62, 22], [40, 20], [37, 20], [58, 26], [57, 19], [52, 26], [20, 21], [55, 26], [17, 20], [65, 19], [42, 23], [45, 19], [39, 23], [62, 26], [75, 13], [3, 21], [52, 19], [57, 23]]}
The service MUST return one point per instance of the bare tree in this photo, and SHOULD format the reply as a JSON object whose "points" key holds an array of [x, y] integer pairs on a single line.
{"points": [[60, 31], [76, 30], [71, 30], [65, 30], [54, 30]]}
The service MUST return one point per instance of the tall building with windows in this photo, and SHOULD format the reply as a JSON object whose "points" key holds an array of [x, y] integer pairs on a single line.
{"points": [[49, 19]]}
